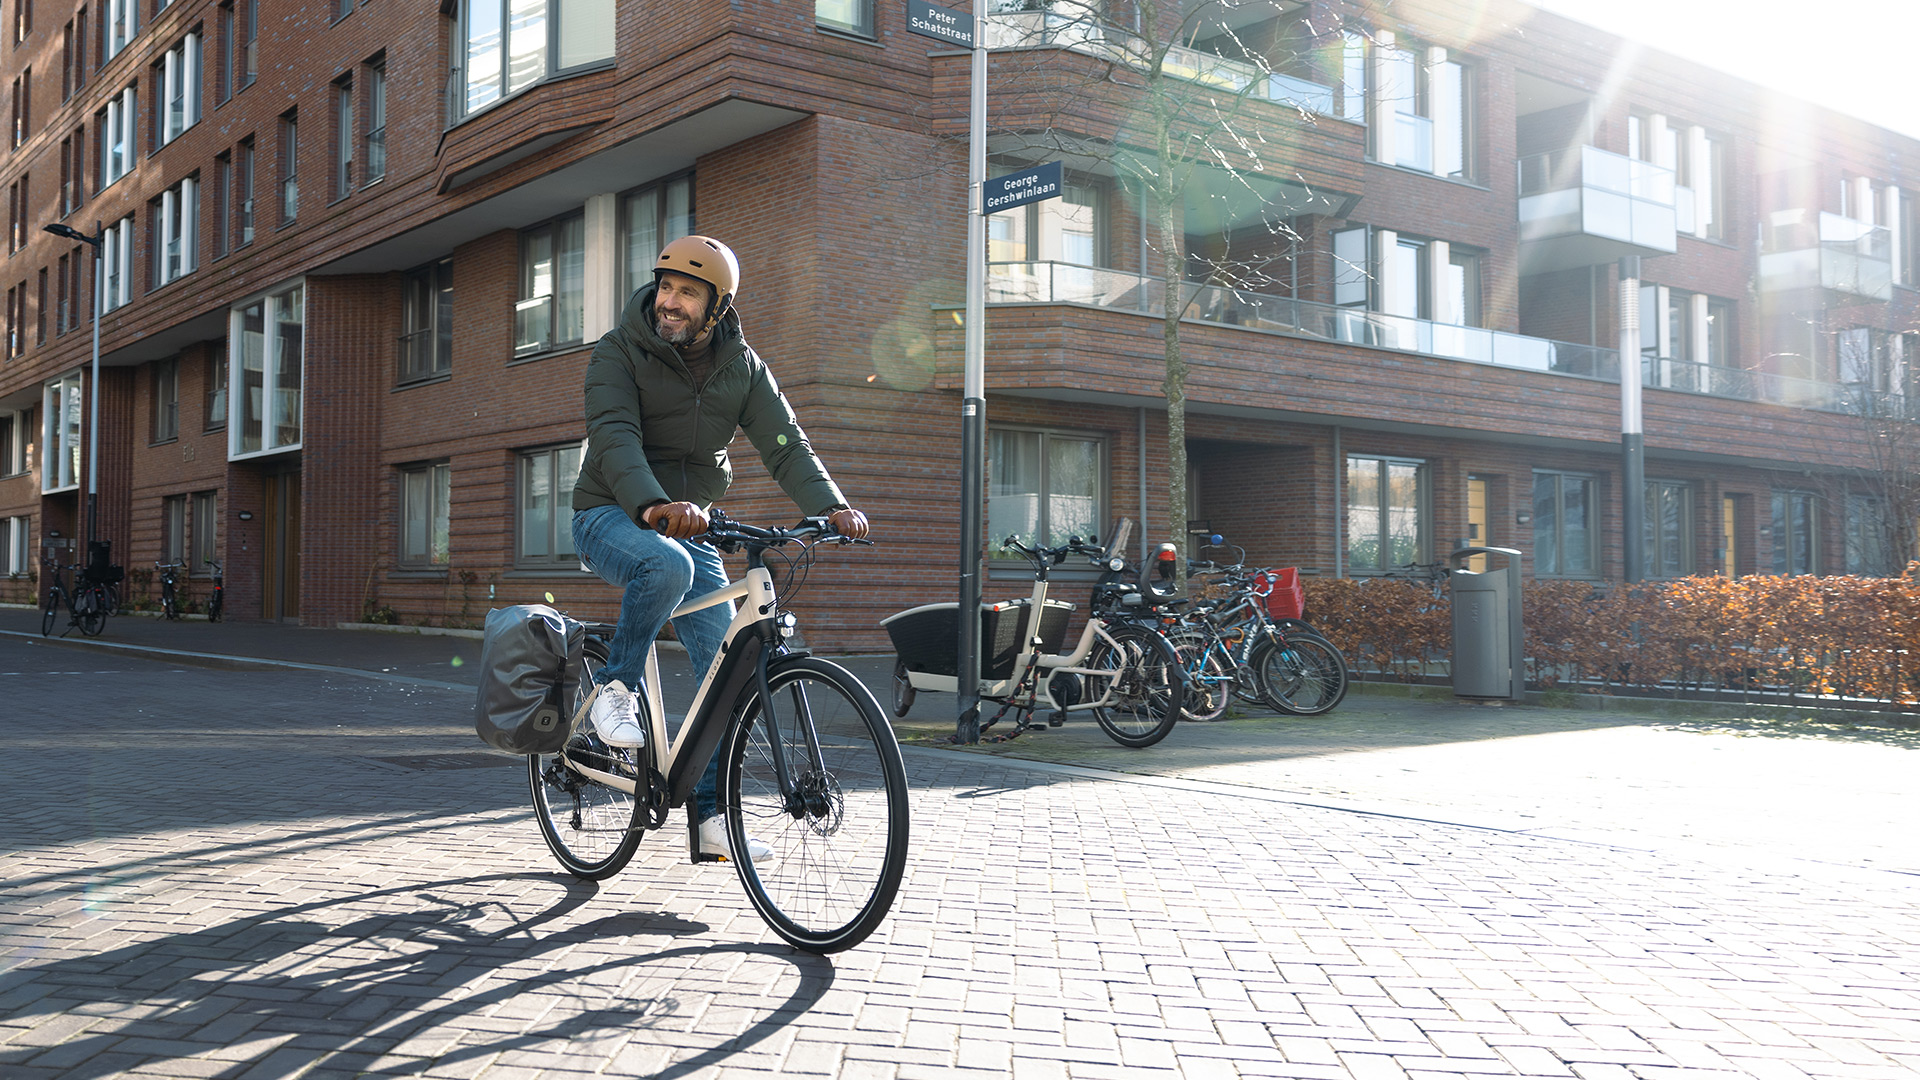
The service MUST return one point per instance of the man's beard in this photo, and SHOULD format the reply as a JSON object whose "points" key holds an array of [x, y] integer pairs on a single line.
{"points": [[687, 332]]}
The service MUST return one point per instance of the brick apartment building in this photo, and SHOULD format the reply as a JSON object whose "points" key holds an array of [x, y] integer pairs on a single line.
{"points": [[355, 254]]}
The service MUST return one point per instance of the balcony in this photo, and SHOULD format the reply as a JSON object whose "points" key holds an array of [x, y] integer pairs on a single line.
{"points": [[1060, 28], [1843, 259], [1118, 290], [1585, 206]]}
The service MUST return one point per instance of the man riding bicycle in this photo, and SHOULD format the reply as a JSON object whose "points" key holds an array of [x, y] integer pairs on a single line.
{"points": [[665, 392]]}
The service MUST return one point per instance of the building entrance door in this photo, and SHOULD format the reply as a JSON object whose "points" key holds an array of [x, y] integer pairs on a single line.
{"points": [[280, 554]]}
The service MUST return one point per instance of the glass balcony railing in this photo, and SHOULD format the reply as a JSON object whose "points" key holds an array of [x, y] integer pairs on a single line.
{"points": [[1800, 249], [1079, 28], [1119, 290], [1585, 191]]}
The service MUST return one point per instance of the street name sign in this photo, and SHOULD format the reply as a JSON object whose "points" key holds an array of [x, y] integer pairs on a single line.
{"points": [[1021, 188], [930, 20]]}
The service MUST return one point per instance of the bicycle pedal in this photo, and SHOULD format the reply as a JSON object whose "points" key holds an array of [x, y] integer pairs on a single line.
{"points": [[1058, 719]]}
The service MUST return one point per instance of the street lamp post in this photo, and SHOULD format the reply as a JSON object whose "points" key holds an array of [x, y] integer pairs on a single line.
{"points": [[97, 241]]}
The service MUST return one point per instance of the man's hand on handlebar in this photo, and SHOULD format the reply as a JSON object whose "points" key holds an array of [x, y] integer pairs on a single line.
{"points": [[849, 522], [679, 520]]}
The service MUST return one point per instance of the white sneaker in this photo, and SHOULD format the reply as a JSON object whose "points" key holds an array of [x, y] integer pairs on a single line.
{"points": [[713, 841], [616, 716]]}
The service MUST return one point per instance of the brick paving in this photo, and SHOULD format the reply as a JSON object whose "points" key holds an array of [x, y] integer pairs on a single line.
{"points": [[271, 873]]}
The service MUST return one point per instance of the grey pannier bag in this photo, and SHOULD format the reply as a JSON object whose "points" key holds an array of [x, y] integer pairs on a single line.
{"points": [[529, 667]]}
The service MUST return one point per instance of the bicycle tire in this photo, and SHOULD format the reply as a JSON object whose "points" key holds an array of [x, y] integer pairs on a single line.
{"points": [[169, 607], [838, 856], [1141, 670], [215, 603], [903, 690], [1305, 675], [49, 614], [90, 611], [592, 828], [1209, 682]]}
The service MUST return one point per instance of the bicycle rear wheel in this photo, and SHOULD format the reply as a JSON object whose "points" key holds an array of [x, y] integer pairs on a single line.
{"points": [[591, 826], [1138, 675], [48, 614], [169, 607], [214, 604], [840, 840], [1209, 680], [89, 607], [1304, 674]]}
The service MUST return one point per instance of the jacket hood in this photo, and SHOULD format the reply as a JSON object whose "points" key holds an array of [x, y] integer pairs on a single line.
{"points": [[637, 323]]}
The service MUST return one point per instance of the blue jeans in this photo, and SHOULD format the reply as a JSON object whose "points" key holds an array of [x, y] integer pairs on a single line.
{"points": [[658, 574]]}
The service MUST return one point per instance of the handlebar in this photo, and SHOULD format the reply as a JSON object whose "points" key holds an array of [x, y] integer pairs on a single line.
{"points": [[727, 534]]}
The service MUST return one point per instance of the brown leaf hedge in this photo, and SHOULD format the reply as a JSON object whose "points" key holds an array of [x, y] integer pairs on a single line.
{"points": [[1851, 637]]}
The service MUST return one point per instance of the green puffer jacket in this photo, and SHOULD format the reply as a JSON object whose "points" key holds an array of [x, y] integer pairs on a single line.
{"points": [[653, 437]]}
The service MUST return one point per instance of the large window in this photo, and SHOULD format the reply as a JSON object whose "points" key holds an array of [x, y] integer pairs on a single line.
{"points": [[163, 420], [849, 16], [1044, 487], [205, 532], [15, 438], [509, 45], [268, 366], [376, 109], [120, 21], [61, 406], [1565, 532], [173, 529], [1422, 107], [1698, 160], [243, 194], [289, 166], [650, 219], [425, 493], [1668, 529], [343, 142], [1387, 512], [1870, 539], [552, 309], [1796, 532], [213, 405], [116, 265], [1409, 276], [426, 340], [177, 77], [545, 507], [16, 557], [116, 126], [1069, 229], [176, 230]]}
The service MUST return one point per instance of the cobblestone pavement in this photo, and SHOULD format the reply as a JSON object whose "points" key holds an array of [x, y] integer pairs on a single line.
{"points": [[246, 873]]}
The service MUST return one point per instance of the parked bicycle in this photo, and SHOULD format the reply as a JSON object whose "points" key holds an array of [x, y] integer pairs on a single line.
{"points": [[217, 599], [86, 601], [1122, 671], [1241, 648], [169, 599], [808, 764]]}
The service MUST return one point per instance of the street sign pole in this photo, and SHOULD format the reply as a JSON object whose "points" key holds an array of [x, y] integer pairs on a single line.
{"points": [[973, 403]]}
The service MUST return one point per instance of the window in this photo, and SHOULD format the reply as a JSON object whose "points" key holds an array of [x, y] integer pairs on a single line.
{"points": [[851, 16], [60, 409], [343, 138], [650, 219], [222, 199], [16, 319], [17, 215], [16, 556], [426, 341], [1070, 229], [1906, 227], [1796, 537], [425, 491], [177, 78], [1698, 160], [121, 22], [376, 140], [1870, 538], [73, 192], [267, 367], [1044, 486], [74, 53], [1406, 276], [1422, 119], [176, 229], [116, 259], [342, 9], [116, 126], [22, 20], [243, 196], [206, 535], [173, 529], [74, 306], [508, 45], [1565, 540], [40, 312], [545, 529], [213, 405], [164, 418], [22, 108], [15, 438], [289, 166], [552, 308], [248, 16], [223, 78], [1386, 512], [1668, 529]]}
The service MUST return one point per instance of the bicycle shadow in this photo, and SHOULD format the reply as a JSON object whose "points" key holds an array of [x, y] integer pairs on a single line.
{"points": [[385, 979]]}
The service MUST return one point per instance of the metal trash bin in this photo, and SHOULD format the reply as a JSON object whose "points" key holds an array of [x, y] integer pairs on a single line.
{"points": [[1489, 650]]}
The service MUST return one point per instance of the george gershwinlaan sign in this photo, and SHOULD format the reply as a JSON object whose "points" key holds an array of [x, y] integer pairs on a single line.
{"points": [[952, 27], [1021, 188]]}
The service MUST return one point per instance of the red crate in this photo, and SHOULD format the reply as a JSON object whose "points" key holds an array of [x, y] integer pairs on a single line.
{"points": [[1285, 598]]}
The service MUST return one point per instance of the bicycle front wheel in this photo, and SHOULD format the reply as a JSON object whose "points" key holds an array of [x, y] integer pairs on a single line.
{"points": [[89, 607], [48, 614], [1303, 674], [168, 606], [1209, 680], [215, 603], [1138, 679], [591, 826], [839, 831]]}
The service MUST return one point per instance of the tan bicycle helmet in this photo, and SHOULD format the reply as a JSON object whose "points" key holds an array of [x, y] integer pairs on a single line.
{"points": [[708, 260]]}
